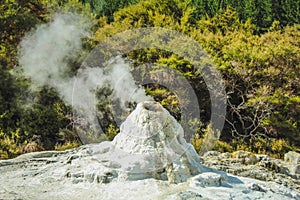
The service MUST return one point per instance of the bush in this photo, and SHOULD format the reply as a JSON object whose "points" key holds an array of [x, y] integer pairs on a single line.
{"points": [[110, 133], [67, 145], [223, 147], [197, 142], [9, 147]]}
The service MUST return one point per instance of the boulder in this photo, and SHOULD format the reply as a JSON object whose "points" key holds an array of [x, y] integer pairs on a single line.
{"points": [[208, 179], [257, 166], [293, 162], [292, 157]]}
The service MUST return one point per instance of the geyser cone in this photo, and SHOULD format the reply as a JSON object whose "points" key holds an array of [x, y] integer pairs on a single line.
{"points": [[151, 143]]}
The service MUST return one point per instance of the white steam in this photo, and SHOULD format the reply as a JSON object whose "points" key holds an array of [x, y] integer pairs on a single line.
{"points": [[45, 55], [117, 75]]}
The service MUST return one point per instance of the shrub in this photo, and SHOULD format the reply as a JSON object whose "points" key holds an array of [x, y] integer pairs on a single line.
{"points": [[67, 145], [223, 147]]}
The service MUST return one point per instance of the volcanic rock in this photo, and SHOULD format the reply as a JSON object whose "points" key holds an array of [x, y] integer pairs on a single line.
{"points": [[257, 166]]}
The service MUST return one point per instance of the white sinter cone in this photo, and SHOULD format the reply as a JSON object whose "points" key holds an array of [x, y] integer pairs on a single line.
{"points": [[151, 143]]}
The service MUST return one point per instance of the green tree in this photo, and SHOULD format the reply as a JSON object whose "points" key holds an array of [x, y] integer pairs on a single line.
{"points": [[9, 101], [44, 115], [108, 7], [287, 12], [260, 12], [259, 70]]}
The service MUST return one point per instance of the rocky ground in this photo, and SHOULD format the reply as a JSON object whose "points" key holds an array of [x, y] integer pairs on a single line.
{"points": [[76, 174], [262, 167], [148, 159]]}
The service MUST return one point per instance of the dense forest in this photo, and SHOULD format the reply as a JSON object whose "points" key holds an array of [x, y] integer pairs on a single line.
{"points": [[254, 44]]}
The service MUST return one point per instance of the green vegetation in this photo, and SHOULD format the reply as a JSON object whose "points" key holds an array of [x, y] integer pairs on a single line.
{"points": [[261, 12], [107, 7], [255, 45], [29, 121]]}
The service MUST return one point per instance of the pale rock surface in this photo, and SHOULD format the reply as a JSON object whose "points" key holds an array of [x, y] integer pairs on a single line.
{"points": [[148, 159], [258, 166], [208, 179], [292, 159], [152, 141]]}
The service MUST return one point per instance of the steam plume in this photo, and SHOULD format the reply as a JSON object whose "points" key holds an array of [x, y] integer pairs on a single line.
{"points": [[45, 55]]}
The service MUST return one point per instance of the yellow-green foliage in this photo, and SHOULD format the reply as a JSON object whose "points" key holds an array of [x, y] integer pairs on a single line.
{"points": [[223, 147], [260, 71], [279, 147], [172, 14], [208, 140], [9, 147], [270, 146], [197, 142], [111, 132], [67, 145]]}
